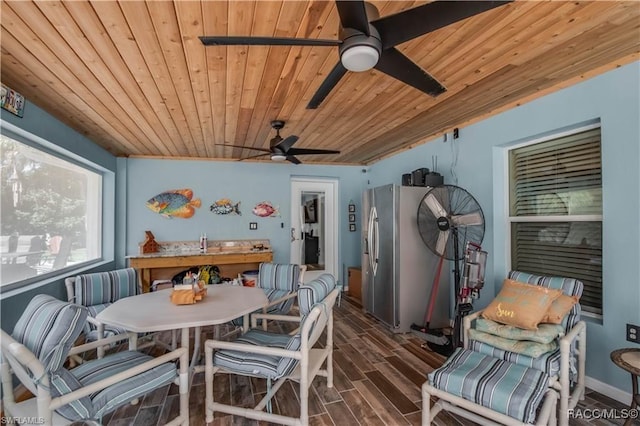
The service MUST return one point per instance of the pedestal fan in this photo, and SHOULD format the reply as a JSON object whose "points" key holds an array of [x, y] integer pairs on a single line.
{"points": [[451, 224]]}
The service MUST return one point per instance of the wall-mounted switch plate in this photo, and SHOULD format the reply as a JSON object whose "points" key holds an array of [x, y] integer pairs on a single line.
{"points": [[633, 333], [253, 226]]}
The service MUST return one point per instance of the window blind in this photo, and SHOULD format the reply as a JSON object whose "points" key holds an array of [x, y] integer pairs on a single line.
{"points": [[556, 211]]}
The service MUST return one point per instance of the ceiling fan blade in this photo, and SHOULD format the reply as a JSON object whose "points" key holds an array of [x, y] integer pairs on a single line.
{"points": [[243, 147], [304, 151], [441, 244], [327, 85], [286, 143], [409, 24], [293, 159], [265, 41], [392, 62], [470, 219], [353, 14], [254, 156], [435, 206]]}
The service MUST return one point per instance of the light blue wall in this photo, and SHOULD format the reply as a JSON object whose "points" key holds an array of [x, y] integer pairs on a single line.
{"points": [[248, 183], [73, 144], [614, 99]]}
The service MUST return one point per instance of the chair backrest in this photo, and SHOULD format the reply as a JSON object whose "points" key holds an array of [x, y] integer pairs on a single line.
{"points": [[102, 287], [320, 295], [276, 278], [41, 340], [569, 286]]}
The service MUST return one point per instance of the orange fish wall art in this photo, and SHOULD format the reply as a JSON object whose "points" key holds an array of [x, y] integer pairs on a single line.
{"points": [[175, 203]]}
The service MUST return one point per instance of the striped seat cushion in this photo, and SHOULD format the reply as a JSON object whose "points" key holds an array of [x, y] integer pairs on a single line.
{"points": [[275, 367], [105, 287], [48, 327], [507, 388], [548, 363], [63, 382], [280, 308], [259, 365], [121, 393]]}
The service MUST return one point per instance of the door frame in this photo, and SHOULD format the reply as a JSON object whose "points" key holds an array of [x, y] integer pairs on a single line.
{"points": [[299, 184]]}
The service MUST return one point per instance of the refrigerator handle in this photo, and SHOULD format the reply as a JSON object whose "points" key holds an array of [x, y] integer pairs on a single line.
{"points": [[370, 239], [377, 256], [373, 240]]}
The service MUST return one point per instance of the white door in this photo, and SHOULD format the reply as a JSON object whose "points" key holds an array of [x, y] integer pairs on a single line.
{"points": [[314, 226]]}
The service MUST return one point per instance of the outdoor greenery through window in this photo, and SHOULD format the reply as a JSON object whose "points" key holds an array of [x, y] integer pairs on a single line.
{"points": [[50, 213], [556, 211]]}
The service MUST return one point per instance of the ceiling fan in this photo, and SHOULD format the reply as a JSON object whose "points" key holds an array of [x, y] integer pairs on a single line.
{"points": [[281, 149], [367, 41]]}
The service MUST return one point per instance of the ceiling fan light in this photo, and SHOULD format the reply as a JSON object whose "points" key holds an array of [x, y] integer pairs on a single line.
{"points": [[360, 58], [278, 157]]}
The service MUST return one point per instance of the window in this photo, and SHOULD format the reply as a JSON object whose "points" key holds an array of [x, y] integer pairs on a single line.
{"points": [[51, 213], [555, 210]]}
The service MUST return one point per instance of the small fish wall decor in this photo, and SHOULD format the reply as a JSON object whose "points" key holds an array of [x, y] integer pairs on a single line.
{"points": [[225, 206], [175, 203], [265, 209]]}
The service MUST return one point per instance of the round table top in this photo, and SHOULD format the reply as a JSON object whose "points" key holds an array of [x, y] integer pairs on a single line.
{"points": [[627, 359]]}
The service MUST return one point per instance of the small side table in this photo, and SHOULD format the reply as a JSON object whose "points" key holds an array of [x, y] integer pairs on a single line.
{"points": [[629, 359]]}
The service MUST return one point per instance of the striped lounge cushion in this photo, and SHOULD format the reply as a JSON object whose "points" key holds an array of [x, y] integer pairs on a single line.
{"points": [[63, 382], [314, 291], [49, 327], [121, 393], [548, 363], [507, 388]]}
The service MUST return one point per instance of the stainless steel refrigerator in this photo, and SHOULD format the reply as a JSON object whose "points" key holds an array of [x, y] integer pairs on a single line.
{"points": [[397, 267]]}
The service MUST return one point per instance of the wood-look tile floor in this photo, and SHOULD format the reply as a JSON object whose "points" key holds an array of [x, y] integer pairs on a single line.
{"points": [[377, 380]]}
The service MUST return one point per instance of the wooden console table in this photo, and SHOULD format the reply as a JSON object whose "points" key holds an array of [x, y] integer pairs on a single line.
{"points": [[231, 259]]}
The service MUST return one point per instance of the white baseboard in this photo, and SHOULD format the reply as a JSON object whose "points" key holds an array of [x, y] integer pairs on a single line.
{"points": [[608, 390]]}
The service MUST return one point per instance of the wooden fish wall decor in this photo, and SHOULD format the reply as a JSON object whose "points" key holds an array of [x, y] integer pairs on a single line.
{"points": [[175, 203], [265, 209], [225, 206]]}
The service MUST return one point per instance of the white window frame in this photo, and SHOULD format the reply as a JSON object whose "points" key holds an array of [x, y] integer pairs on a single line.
{"points": [[98, 244], [573, 218]]}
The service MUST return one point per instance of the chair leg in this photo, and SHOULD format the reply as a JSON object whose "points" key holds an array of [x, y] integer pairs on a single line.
{"points": [[208, 383], [426, 405]]}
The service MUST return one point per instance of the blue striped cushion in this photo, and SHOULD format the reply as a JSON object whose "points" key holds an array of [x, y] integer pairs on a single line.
{"points": [[314, 291], [548, 362], [278, 280], [259, 365], [121, 393], [49, 327], [106, 287], [507, 388], [569, 286], [63, 382], [279, 276]]}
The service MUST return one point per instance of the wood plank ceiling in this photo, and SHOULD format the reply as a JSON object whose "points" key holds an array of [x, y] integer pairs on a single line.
{"points": [[134, 77]]}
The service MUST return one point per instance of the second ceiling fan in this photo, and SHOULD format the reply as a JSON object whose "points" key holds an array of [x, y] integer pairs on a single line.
{"points": [[367, 41], [280, 148]]}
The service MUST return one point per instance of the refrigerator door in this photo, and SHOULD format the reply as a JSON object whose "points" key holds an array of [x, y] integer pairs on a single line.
{"points": [[367, 251], [384, 254]]}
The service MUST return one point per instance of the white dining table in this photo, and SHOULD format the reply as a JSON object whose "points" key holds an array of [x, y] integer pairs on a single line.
{"points": [[154, 311]]}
